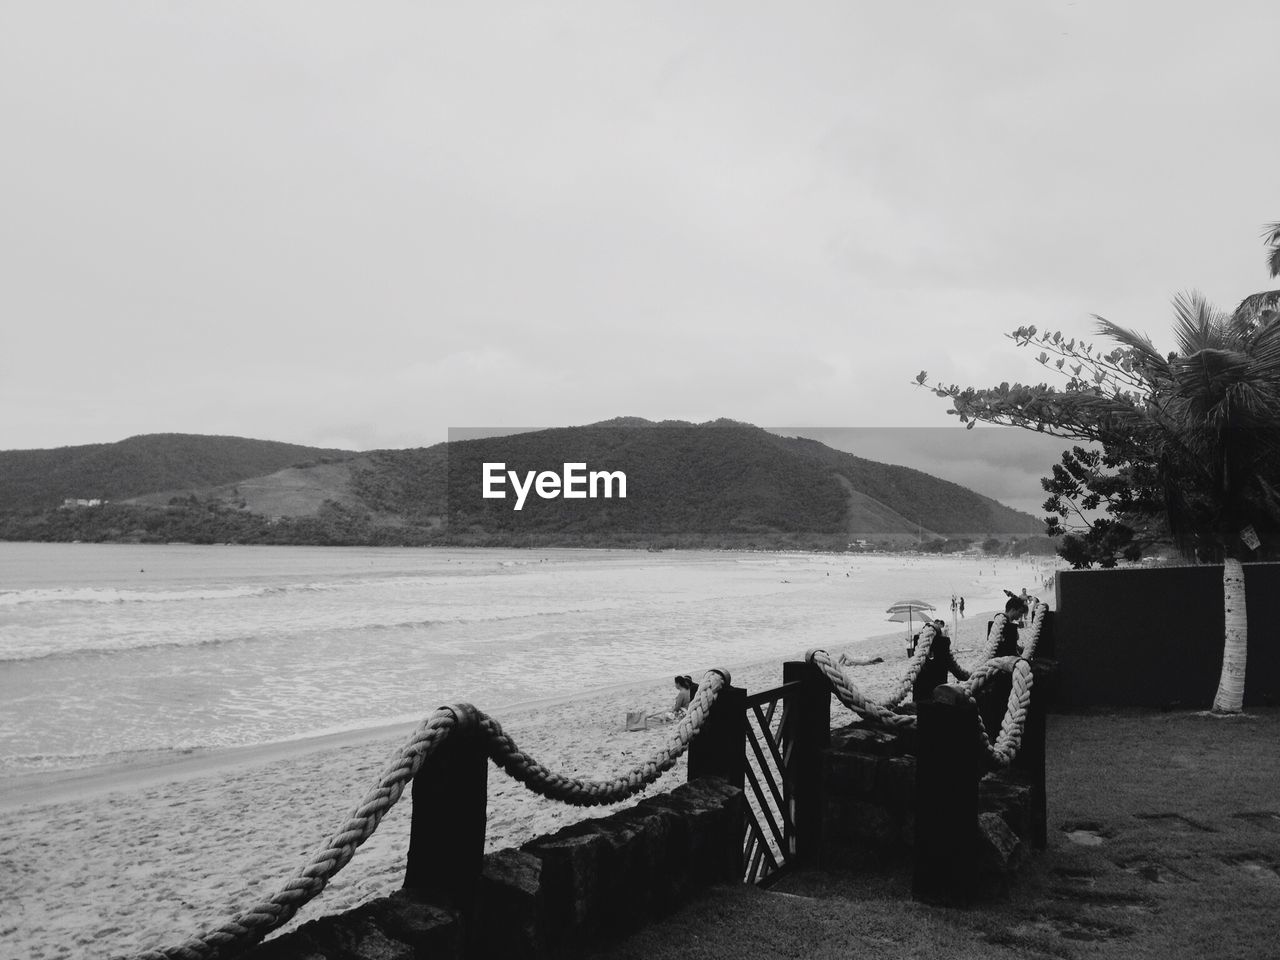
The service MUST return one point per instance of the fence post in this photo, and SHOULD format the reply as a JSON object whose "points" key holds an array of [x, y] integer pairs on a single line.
{"points": [[1030, 761], [719, 749], [450, 799], [810, 735], [947, 774], [1046, 646]]}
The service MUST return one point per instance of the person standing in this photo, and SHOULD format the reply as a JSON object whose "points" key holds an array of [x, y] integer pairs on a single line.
{"points": [[962, 606]]}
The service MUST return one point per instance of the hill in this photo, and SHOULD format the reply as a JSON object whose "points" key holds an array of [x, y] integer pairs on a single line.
{"points": [[39, 479], [716, 484]]}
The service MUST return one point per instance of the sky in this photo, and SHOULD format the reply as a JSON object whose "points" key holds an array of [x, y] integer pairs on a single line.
{"points": [[361, 225]]}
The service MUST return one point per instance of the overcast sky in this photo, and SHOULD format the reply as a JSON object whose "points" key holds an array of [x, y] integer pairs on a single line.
{"points": [[360, 224]]}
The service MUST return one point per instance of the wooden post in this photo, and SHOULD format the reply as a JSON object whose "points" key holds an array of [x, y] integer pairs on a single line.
{"points": [[450, 798], [1045, 645], [810, 735], [719, 749], [1030, 761], [947, 774]]}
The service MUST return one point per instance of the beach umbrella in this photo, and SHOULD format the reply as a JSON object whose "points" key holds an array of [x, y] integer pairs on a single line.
{"points": [[905, 611]]}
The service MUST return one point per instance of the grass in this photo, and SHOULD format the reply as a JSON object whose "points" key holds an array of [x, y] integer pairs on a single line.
{"points": [[1164, 843]]}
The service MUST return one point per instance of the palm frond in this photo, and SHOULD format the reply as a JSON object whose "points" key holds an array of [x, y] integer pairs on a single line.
{"points": [[1198, 325], [1271, 233], [1258, 309]]}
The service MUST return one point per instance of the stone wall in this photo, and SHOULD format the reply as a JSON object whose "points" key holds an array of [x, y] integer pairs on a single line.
{"points": [[870, 807], [556, 896]]}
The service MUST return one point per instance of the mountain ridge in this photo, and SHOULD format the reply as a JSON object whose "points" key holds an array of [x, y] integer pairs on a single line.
{"points": [[723, 481]]}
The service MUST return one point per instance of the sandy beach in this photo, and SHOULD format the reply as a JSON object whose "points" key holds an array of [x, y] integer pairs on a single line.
{"points": [[121, 859]]}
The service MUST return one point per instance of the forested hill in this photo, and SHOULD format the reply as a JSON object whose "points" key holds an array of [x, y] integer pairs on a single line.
{"points": [[716, 484], [35, 479], [936, 504], [716, 477]]}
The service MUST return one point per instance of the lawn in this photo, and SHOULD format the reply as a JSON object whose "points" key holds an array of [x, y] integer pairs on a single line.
{"points": [[1164, 843]]}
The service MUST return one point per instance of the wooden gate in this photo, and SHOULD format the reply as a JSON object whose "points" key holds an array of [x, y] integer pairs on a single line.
{"points": [[768, 843], [770, 745]]}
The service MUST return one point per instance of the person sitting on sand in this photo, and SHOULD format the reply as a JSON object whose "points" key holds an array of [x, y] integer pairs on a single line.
{"points": [[685, 689]]}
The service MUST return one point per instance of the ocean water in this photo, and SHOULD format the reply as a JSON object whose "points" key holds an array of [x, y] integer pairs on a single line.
{"points": [[108, 652]]}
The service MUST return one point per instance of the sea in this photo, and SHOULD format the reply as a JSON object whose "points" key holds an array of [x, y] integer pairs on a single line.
{"points": [[115, 652]]}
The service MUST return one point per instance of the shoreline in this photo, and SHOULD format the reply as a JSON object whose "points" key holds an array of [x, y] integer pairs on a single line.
{"points": [[158, 767], [40, 788], [168, 766]]}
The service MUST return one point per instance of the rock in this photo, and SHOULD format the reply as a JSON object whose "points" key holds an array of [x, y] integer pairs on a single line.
{"points": [[574, 865], [512, 903], [999, 847]]}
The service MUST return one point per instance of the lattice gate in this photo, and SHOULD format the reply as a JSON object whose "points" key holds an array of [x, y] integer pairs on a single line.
{"points": [[768, 843]]}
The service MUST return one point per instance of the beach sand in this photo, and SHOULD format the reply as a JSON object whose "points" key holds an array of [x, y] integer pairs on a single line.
{"points": [[128, 858]]}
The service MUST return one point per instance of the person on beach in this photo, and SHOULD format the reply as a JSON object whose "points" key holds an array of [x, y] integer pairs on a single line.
{"points": [[685, 689], [962, 606], [848, 661], [1015, 608]]}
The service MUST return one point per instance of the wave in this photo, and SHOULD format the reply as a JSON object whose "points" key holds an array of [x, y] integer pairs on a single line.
{"points": [[27, 763], [102, 646], [125, 595], [113, 595], [115, 646]]}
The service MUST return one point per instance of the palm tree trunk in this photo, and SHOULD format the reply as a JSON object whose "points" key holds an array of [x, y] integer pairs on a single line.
{"points": [[1230, 697]]}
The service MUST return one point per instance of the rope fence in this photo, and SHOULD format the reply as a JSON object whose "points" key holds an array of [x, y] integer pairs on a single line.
{"points": [[882, 713], [251, 925]]}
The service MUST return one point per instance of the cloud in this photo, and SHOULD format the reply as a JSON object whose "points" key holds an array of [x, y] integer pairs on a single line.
{"points": [[763, 212]]}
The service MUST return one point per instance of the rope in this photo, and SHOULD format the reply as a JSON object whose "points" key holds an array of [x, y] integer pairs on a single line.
{"points": [[1009, 740], [984, 671], [1032, 637], [849, 694], [908, 679], [587, 793], [993, 636], [877, 711], [251, 925]]}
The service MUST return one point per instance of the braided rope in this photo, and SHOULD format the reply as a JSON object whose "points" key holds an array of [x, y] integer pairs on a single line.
{"points": [[1032, 636], [984, 671], [587, 793], [1009, 740], [849, 694], [908, 679], [993, 636], [251, 925]]}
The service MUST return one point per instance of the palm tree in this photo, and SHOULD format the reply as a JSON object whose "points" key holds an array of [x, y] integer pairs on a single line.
{"points": [[1212, 419], [1198, 428]]}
